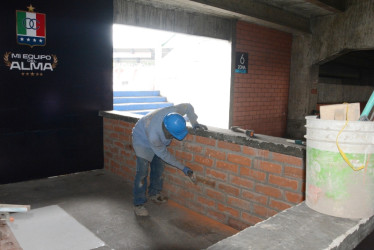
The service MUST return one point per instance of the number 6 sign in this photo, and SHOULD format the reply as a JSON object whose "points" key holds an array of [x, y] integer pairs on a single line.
{"points": [[241, 63]]}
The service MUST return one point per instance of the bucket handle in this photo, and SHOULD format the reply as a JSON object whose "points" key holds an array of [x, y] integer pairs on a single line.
{"points": [[341, 151]]}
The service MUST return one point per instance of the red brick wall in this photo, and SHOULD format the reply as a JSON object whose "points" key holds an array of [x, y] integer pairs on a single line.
{"points": [[238, 185], [261, 96]]}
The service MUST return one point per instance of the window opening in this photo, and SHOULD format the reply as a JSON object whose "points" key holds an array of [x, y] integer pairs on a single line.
{"points": [[183, 68]]}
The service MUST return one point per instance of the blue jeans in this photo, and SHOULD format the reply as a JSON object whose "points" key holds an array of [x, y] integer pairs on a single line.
{"points": [[140, 183]]}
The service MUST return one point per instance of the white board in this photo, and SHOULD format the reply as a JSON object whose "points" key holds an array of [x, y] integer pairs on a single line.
{"points": [[51, 228]]}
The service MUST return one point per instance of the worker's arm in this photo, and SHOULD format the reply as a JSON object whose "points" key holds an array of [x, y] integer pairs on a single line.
{"points": [[164, 154], [161, 151], [187, 109]]}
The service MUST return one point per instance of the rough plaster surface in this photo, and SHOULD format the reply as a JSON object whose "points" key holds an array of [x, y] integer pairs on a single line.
{"points": [[352, 29], [300, 228], [332, 36], [332, 90], [176, 20], [52, 228]]}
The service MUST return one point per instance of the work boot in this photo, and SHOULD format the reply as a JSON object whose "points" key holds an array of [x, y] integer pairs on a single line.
{"points": [[141, 210], [158, 198]]}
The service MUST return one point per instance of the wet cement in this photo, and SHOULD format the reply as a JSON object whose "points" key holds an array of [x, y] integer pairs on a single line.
{"points": [[102, 202]]}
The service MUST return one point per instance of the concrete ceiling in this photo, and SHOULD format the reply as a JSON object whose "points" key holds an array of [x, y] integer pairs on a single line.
{"points": [[308, 8], [287, 15], [292, 16]]}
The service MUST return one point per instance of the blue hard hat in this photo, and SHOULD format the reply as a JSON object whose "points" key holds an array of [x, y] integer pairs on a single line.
{"points": [[176, 125]]}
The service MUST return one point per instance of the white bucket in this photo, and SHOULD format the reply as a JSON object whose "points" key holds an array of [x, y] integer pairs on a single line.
{"points": [[332, 186]]}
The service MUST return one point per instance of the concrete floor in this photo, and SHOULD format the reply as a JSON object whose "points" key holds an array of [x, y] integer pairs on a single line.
{"points": [[102, 202]]}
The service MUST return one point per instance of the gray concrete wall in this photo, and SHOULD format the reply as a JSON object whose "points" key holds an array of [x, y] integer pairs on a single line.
{"points": [[333, 90], [303, 78], [332, 36], [350, 30], [164, 17]]}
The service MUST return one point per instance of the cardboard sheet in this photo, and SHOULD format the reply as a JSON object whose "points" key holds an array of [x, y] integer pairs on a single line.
{"points": [[339, 112]]}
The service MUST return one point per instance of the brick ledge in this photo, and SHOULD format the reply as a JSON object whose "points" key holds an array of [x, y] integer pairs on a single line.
{"points": [[264, 142]]}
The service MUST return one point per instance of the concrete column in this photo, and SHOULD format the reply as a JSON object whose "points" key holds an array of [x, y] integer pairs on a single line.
{"points": [[303, 86]]}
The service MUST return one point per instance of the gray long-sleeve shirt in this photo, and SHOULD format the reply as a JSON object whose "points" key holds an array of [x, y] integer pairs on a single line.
{"points": [[148, 138]]}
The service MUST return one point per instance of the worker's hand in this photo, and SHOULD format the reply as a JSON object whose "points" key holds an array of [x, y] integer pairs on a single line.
{"points": [[199, 126], [187, 171]]}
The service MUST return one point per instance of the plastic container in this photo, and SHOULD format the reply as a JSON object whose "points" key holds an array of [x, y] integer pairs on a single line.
{"points": [[333, 187]]}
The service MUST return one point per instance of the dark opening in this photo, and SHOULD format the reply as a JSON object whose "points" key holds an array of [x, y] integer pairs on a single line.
{"points": [[348, 78]]}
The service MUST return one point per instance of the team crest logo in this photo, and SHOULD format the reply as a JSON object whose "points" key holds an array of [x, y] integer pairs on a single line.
{"points": [[31, 27]]}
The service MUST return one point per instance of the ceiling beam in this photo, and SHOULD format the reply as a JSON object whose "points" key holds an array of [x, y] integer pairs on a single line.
{"points": [[252, 11], [244, 10], [335, 6]]}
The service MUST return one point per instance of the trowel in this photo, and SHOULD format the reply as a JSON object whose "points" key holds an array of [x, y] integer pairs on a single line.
{"points": [[247, 132], [192, 177]]}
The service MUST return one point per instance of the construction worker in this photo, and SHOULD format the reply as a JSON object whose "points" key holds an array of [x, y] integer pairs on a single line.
{"points": [[150, 137]]}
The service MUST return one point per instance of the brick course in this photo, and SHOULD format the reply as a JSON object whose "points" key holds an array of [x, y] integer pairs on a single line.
{"points": [[238, 185]]}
